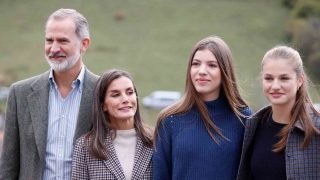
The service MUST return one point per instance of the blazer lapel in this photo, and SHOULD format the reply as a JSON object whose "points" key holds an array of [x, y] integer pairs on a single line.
{"points": [[112, 162], [38, 107], [251, 127], [84, 123], [142, 159]]}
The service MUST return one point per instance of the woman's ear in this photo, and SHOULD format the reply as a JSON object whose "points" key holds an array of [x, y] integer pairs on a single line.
{"points": [[300, 81]]}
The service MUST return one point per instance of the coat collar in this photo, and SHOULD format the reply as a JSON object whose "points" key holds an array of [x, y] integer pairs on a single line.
{"points": [[141, 160], [84, 123], [298, 124]]}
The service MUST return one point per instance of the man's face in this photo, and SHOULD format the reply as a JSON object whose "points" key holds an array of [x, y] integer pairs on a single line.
{"points": [[62, 46]]}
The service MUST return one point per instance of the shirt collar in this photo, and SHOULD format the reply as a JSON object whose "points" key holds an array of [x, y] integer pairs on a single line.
{"points": [[76, 83]]}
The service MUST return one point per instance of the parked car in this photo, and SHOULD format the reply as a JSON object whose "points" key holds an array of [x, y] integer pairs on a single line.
{"points": [[4, 93], [160, 99]]}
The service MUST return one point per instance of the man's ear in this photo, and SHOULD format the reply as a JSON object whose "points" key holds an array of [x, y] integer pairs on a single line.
{"points": [[85, 44]]}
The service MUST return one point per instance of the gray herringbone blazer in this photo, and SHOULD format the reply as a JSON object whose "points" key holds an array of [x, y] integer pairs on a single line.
{"points": [[85, 166], [301, 164], [26, 125]]}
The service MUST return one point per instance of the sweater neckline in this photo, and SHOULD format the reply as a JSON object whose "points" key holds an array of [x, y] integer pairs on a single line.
{"points": [[220, 102]]}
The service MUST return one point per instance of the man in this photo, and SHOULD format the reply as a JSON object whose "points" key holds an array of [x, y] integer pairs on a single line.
{"points": [[47, 113]]}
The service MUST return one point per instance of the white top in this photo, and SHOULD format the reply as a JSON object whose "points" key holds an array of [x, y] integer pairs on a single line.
{"points": [[125, 146]]}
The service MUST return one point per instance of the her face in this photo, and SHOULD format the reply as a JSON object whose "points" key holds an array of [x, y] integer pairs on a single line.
{"points": [[280, 82], [120, 102], [206, 75]]}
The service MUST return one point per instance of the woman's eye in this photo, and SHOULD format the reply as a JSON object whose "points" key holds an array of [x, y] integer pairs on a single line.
{"points": [[213, 65], [115, 95], [195, 63], [130, 92], [268, 78]]}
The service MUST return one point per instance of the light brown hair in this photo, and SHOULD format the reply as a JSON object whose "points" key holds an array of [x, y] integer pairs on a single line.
{"points": [[300, 110], [191, 97]]}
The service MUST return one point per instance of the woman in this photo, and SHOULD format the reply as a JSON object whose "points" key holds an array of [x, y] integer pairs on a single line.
{"points": [[282, 141], [200, 136], [119, 146]]}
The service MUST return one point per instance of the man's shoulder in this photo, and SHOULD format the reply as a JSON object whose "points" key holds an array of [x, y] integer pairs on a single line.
{"points": [[90, 75], [32, 80]]}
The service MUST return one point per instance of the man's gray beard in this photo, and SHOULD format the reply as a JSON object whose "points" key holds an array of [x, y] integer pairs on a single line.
{"points": [[66, 64]]}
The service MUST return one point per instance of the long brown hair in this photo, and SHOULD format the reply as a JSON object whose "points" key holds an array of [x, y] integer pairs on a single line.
{"points": [[101, 121], [191, 97], [300, 110]]}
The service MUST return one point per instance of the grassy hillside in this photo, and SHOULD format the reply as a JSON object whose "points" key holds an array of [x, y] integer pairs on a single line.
{"points": [[153, 41]]}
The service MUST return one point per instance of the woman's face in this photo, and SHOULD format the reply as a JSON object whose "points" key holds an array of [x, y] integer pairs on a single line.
{"points": [[120, 102], [206, 75], [280, 82]]}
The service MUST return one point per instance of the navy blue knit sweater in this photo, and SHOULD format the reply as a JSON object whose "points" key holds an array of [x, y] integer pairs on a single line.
{"points": [[184, 149]]}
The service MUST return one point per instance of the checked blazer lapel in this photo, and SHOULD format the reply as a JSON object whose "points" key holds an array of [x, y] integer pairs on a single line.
{"points": [[141, 159], [38, 107], [112, 162]]}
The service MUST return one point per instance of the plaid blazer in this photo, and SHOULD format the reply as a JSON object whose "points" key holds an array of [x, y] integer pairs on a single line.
{"points": [[85, 166], [301, 164]]}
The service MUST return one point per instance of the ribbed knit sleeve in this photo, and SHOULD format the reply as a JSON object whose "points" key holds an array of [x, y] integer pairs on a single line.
{"points": [[162, 163]]}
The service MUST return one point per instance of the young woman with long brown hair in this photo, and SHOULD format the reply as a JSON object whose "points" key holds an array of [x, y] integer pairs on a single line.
{"points": [[200, 137]]}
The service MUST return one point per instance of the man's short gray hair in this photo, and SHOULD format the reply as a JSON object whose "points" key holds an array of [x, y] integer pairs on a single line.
{"points": [[82, 25]]}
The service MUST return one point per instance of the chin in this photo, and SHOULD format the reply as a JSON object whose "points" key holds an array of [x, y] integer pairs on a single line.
{"points": [[126, 118], [278, 102]]}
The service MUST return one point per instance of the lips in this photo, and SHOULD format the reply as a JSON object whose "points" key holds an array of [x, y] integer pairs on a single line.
{"points": [[276, 95], [125, 108], [202, 80], [56, 55]]}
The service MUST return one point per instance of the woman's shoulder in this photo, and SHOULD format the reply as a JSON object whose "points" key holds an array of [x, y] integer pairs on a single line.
{"points": [[247, 112], [83, 141], [316, 120], [180, 117], [260, 113]]}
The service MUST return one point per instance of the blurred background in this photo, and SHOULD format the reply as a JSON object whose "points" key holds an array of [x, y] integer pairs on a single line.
{"points": [[153, 39]]}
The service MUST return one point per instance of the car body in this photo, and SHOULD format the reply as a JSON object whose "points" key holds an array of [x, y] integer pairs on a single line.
{"points": [[4, 93], [160, 99]]}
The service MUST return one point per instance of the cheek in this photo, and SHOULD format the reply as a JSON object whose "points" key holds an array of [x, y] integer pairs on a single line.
{"points": [[105, 107], [46, 49], [265, 86], [192, 72], [134, 100]]}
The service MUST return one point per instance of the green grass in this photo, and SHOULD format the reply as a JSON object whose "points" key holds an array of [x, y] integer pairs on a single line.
{"points": [[153, 41]]}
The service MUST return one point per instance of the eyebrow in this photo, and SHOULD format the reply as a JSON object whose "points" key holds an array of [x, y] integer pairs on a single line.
{"points": [[211, 60], [116, 90], [267, 74]]}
